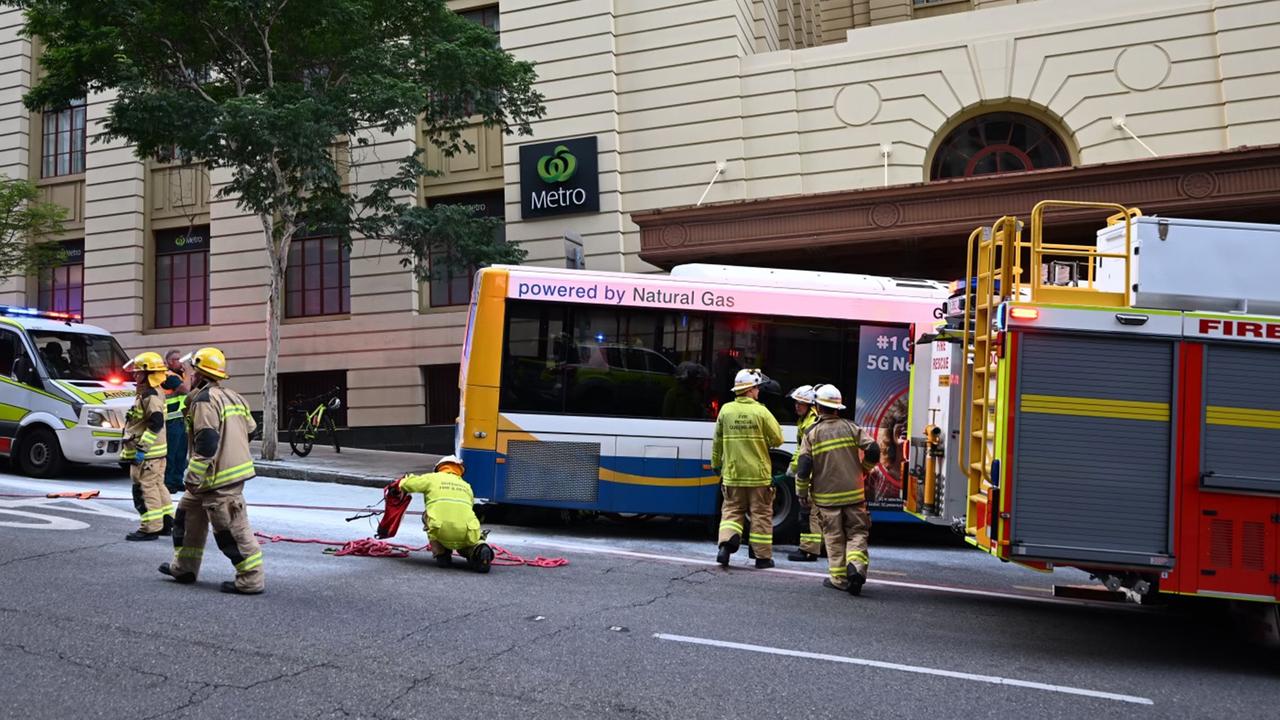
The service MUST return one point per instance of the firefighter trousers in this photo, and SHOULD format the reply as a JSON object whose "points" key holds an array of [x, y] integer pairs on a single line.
{"points": [[743, 504], [176, 435], [224, 509], [845, 530], [150, 497], [446, 536], [811, 542]]}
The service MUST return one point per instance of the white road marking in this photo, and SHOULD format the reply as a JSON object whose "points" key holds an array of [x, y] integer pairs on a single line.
{"points": [[573, 547], [38, 521], [917, 669]]}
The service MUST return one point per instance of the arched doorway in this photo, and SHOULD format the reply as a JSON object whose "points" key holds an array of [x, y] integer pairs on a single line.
{"points": [[1000, 142]]}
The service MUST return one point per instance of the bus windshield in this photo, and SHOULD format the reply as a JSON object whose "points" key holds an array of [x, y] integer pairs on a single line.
{"points": [[78, 356]]}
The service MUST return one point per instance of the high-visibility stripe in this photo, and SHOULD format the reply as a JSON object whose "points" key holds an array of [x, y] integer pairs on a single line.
{"points": [[234, 410], [731, 525], [833, 444], [840, 498], [158, 513], [1242, 417], [197, 467], [250, 562], [758, 538], [856, 555], [742, 436], [147, 438], [837, 571], [810, 537], [229, 475], [757, 482], [157, 451], [459, 501], [1095, 407], [188, 552]]}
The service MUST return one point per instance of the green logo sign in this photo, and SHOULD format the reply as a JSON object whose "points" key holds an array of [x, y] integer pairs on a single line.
{"points": [[557, 167], [180, 241]]}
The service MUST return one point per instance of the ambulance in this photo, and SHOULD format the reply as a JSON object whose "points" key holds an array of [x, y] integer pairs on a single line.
{"points": [[63, 394]]}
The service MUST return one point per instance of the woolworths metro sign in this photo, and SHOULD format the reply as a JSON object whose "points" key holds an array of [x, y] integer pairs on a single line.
{"points": [[559, 178]]}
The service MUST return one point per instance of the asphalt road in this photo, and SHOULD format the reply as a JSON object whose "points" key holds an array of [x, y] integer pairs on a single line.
{"points": [[639, 624]]}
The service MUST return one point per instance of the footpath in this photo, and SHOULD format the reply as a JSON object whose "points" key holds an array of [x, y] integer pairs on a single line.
{"points": [[352, 466]]}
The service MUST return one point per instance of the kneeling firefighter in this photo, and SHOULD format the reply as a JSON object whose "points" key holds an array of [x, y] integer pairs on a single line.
{"points": [[449, 519]]}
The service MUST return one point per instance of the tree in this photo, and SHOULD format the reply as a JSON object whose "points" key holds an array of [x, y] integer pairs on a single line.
{"points": [[265, 88], [23, 218]]}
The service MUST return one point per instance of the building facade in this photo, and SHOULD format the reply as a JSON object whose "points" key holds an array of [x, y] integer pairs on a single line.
{"points": [[857, 135]]}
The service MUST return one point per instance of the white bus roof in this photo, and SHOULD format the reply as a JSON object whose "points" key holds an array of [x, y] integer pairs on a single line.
{"points": [[46, 325], [767, 278]]}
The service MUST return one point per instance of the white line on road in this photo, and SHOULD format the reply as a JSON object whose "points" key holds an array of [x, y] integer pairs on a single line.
{"points": [[573, 547], [917, 669]]}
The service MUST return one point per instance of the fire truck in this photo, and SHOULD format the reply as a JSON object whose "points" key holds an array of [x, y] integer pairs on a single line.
{"points": [[1115, 409]]}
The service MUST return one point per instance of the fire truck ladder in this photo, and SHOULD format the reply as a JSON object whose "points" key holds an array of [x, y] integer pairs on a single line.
{"points": [[995, 275]]}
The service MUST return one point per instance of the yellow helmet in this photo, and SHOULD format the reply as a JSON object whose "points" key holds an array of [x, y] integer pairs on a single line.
{"points": [[146, 362], [209, 361]]}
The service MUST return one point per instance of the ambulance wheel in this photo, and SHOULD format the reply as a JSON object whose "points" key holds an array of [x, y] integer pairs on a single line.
{"points": [[39, 454]]}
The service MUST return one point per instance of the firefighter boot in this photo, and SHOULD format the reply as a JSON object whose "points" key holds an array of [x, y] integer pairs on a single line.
{"points": [[139, 535], [764, 563], [728, 548], [185, 578], [229, 586], [481, 558], [444, 559], [856, 580], [802, 556], [167, 529]]}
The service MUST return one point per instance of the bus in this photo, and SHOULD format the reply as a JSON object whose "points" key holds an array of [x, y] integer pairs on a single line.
{"points": [[598, 391]]}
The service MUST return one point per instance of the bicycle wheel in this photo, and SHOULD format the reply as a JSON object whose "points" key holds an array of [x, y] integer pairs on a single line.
{"points": [[333, 433], [299, 439]]}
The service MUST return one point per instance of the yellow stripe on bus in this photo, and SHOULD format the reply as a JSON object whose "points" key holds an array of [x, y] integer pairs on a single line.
{"points": [[1095, 407], [628, 479], [1242, 417]]}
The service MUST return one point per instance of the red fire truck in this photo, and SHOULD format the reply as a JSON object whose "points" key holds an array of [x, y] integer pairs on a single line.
{"points": [[1115, 411]]}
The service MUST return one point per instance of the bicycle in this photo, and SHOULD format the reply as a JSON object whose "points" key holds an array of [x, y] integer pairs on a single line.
{"points": [[304, 427]]}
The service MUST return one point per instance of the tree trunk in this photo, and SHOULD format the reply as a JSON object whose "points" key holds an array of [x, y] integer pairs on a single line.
{"points": [[277, 260]]}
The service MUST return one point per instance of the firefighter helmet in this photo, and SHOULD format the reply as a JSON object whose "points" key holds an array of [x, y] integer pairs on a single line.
{"points": [[146, 362], [209, 361], [803, 394], [747, 379], [828, 396], [450, 461]]}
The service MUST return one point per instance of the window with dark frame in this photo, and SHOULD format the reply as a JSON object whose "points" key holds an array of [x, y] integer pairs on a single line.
{"points": [[62, 141], [1001, 142], [440, 383], [182, 277], [61, 288], [318, 279], [486, 16], [453, 286]]}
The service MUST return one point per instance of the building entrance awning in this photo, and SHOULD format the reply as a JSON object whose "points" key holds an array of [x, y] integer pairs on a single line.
{"points": [[920, 230]]}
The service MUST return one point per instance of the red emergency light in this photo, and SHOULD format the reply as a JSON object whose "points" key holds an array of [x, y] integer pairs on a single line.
{"points": [[1024, 313]]}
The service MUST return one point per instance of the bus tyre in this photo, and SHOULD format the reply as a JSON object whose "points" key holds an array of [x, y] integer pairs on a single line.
{"points": [[39, 454], [786, 508]]}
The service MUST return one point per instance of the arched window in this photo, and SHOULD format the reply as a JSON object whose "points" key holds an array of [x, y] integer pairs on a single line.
{"points": [[1000, 142]]}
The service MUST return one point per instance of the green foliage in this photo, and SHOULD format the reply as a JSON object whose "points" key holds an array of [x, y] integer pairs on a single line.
{"points": [[24, 217], [263, 87]]}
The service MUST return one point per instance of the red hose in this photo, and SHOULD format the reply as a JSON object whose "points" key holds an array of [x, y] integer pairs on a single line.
{"points": [[371, 547]]}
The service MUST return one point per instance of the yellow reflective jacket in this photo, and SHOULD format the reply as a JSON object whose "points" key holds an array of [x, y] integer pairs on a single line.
{"points": [[805, 423], [450, 517], [745, 431]]}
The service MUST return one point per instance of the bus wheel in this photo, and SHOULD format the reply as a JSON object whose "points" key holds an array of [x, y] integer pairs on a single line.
{"points": [[39, 454], [786, 509]]}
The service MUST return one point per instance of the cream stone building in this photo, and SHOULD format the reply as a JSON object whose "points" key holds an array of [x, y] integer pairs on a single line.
{"points": [[859, 135]]}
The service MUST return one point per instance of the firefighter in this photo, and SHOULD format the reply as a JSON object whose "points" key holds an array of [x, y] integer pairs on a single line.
{"points": [[836, 454], [219, 424], [810, 542], [144, 449], [175, 401], [449, 518], [745, 430]]}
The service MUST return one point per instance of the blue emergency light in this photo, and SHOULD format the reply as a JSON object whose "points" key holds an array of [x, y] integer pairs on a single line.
{"points": [[36, 312]]}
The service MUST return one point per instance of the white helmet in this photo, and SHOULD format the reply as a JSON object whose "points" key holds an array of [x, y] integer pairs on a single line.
{"points": [[747, 379], [449, 460], [828, 396], [803, 394]]}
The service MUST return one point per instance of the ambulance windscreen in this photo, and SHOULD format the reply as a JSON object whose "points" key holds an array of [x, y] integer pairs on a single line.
{"points": [[78, 356]]}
